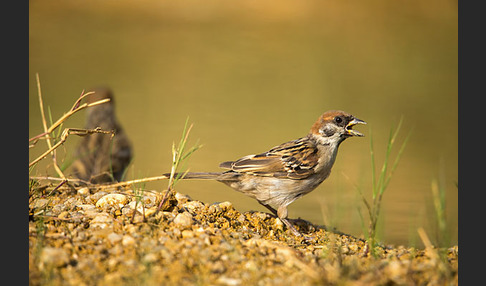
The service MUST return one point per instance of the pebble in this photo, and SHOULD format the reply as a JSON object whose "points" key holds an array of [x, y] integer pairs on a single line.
{"points": [[86, 207], [141, 208], [113, 200], [114, 238], [183, 220], [101, 221], [397, 272], [63, 215], [40, 203], [278, 224], [187, 233], [193, 206], [84, 191], [150, 258], [128, 240], [88, 210], [182, 198], [95, 197], [260, 215], [228, 281], [73, 202], [149, 200], [214, 209], [225, 206], [150, 211], [59, 208], [53, 257]]}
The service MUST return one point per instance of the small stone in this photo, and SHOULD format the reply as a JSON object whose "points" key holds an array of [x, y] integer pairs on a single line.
{"points": [[128, 240], [250, 265], [83, 191], [182, 198], [127, 211], [214, 209], [72, 202], [101, 221], [225, 206], [86, 207], [51, 257], [260, 215], [353, 248], [141, 208], [344, 250], [228, 281], [114, 200], [134, 204], [63, 215], [146, 198], [150, 258], [114, 237], [59, 208], [218, 267], [187, 233], [397, 271], [193, 206], [183, 220], [241, 218], [95, 197], [150, 211], [40, 203], [88, 210], [176, 232], [149, 200]]}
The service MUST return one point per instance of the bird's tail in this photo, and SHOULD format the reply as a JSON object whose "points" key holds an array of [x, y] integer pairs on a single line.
{"points": [[196, 175]]}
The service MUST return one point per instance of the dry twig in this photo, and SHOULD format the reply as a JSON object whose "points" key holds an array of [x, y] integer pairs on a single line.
{"points": [[48, 130], [65, 134]]}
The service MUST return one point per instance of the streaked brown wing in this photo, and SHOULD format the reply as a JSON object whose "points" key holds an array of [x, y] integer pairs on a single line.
{"points": [[294, 159]]}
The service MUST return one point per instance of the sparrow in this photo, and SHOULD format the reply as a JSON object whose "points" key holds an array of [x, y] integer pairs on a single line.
{"points": [[287, 172], [101, 158]]}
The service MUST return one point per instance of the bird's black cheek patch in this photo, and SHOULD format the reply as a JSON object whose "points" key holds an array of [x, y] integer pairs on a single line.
{"points": [[327, 131]]}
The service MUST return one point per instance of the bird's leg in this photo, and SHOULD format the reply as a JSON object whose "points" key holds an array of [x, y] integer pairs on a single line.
{"points": [[274, 212], [282, 215]]}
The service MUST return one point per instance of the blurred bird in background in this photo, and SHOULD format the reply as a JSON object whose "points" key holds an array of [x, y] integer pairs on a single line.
{"points": [[101, 158]]}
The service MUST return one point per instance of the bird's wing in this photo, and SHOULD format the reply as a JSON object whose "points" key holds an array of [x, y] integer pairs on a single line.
{"points": [[294, 159]]}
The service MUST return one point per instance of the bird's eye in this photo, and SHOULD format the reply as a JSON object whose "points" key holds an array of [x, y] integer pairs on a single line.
{"points": [[338, 119]]}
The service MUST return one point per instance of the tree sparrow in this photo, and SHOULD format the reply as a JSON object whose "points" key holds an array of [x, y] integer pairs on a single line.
{"points": [[288, 171], [101, 158]]}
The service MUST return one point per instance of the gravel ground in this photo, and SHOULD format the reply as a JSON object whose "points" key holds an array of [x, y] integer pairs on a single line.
{"points": [[81, 236]]}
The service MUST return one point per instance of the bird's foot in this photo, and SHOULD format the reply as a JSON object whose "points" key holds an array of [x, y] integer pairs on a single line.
{"points": [[297, 233]]}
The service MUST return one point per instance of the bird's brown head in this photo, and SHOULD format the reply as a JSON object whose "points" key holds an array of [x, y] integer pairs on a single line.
{"points": [[100, 93], [101, 115], [336, 124]]}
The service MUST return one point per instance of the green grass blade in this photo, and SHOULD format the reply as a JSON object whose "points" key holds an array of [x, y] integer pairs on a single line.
{"points": [[363, 227], [384, 178], [397, 159], [373, 168], [180, 155], [384, 168], [379, 186]]}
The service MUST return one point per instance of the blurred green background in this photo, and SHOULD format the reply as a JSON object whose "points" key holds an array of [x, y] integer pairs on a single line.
{"points": [[253, 74]]}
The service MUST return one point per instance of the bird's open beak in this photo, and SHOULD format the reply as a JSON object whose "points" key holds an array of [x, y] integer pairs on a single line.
{"points": [[349, 127]]}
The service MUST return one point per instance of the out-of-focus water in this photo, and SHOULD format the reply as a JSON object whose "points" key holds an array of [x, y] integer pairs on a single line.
{"points": [[252, 75]]}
